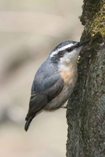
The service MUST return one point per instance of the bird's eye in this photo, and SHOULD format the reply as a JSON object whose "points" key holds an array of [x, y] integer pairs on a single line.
{"points": [[70, 49]]}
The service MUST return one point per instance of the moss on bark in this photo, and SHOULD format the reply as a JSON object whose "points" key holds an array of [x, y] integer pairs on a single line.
{"points": [[93, 17]]}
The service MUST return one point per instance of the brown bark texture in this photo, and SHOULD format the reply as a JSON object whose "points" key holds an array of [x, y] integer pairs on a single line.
{"points": [[86, 106]]}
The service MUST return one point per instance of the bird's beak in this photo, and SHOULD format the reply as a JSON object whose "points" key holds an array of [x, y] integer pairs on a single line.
{"points": [[78, 45], [81, 43]]}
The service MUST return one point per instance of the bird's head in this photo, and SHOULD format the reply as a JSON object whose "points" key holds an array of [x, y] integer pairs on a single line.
{"points": [[66, 52]]}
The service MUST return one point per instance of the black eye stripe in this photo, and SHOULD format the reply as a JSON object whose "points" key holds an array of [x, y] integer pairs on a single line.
{"points": [[70, 49], [61, 53], [57, 56]]}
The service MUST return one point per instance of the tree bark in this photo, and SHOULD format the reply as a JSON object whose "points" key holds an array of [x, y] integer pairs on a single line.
{"points": [[86, 106]]}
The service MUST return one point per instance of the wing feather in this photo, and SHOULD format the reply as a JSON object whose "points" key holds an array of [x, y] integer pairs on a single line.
{"points": [[43, 91]]}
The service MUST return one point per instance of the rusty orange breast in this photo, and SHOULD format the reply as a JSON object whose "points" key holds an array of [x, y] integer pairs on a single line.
{"points": [[68, 76]]}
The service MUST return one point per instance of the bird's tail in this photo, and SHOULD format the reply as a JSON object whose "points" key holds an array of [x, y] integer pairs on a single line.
{"points": [[37, 103], [28, 122]]}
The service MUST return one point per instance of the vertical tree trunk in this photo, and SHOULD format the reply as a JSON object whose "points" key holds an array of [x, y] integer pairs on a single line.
{"points": [[86, 107]]}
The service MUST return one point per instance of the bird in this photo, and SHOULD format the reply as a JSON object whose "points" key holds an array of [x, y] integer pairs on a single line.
{"points": [[55, 79]]}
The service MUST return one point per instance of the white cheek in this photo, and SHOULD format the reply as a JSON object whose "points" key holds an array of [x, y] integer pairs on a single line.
{"points": [[69, 57], [66, 59], [74, 54]]}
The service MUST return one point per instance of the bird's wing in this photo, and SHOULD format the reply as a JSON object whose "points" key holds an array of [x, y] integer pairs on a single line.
{"points": [[52, 86]]}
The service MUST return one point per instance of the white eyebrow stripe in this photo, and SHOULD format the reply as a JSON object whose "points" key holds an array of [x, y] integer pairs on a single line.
{"points": [[61, 49]]}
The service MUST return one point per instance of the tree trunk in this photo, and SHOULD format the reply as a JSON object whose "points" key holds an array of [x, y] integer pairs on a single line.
{"points": [[86, 106]]}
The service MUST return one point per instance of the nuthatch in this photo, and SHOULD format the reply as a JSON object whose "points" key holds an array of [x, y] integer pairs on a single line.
{"points": [[55, 79]]}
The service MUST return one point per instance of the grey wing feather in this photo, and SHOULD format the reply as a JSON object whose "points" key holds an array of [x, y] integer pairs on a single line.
{"points": [[45, 77], [54, 90], [37, 102], [46, 86]]}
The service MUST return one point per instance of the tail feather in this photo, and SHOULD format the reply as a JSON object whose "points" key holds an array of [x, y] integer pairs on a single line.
{"points": [[28, 122], [37, 103]]}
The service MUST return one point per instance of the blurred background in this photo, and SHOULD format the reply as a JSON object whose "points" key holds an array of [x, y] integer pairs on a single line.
{"points": [[29, 30]]}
